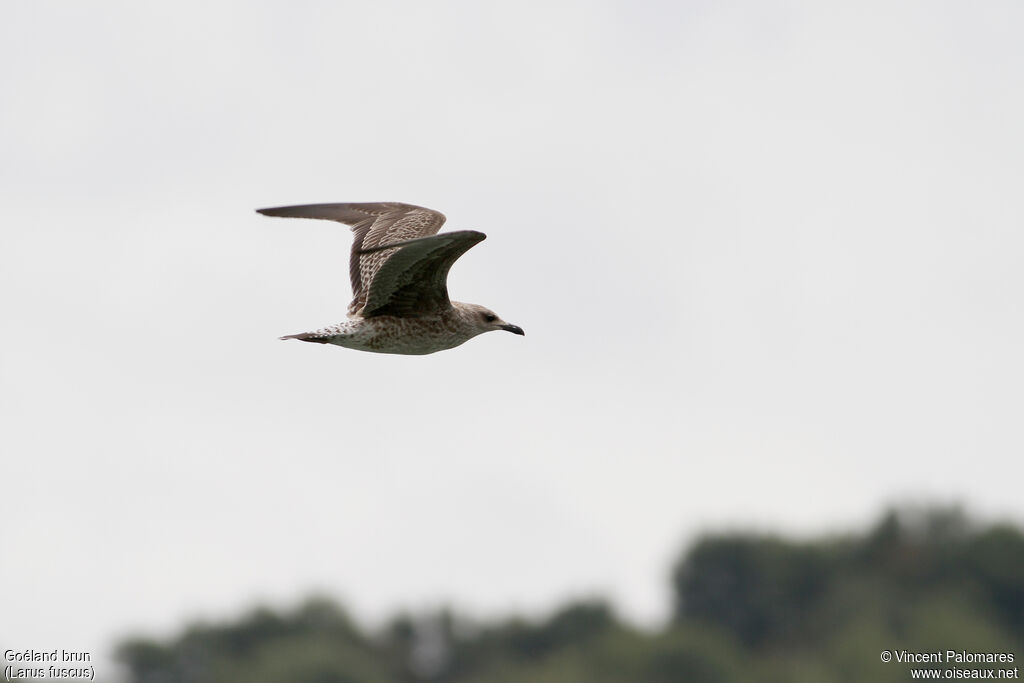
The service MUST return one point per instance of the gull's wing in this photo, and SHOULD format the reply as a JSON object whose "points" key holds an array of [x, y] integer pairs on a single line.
{"points": [[373, 224], [412, 281]]}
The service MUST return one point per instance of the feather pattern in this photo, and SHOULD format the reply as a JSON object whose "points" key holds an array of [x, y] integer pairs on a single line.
{"points": [[373, 224]]}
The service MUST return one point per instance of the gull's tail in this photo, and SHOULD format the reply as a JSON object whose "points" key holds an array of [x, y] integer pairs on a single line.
{"points": [[308, 337]]}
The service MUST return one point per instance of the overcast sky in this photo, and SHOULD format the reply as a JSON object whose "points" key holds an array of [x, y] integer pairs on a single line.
{"points": [[767, 256]]}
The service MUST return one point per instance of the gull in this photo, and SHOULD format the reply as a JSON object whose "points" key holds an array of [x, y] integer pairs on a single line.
{"points": [[399, 271]]}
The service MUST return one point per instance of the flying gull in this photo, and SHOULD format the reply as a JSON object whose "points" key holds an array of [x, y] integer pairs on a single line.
{"points": [[399, 270]]}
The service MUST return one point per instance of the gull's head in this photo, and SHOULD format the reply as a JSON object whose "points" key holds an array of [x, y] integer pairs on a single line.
{"points": [[486, 320]]}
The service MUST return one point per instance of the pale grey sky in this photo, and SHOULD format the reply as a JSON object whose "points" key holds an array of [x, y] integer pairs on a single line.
{"points": [[767, 257]]}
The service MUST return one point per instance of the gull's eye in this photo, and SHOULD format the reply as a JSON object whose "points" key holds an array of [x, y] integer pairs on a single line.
{"points": [[490, 317]]}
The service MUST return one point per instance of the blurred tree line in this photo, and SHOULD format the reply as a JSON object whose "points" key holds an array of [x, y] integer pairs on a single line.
{"points": [[747, 607]]}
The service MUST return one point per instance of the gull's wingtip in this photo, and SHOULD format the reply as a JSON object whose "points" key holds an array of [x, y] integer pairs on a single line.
{"points": [[301, 211]]}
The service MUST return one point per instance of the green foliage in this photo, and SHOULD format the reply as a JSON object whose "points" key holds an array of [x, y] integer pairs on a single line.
{"points": [[746, 608], [317, 643], [756, 588]]}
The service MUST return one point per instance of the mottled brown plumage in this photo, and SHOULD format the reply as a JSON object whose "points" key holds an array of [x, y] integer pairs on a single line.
{"points": [[399, 270]]}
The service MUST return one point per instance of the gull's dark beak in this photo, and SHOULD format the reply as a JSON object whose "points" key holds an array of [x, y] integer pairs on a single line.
{"points": [[514, 329]]}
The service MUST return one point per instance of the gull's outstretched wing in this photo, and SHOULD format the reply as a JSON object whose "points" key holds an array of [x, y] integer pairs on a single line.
{"points": [[373, 224], [412, 282]]}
